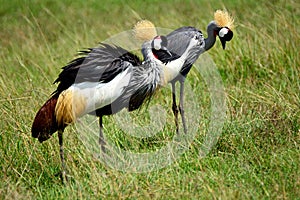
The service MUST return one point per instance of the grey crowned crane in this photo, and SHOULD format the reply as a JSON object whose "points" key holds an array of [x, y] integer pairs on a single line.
{"points": [[178, 41], [103, 81]]}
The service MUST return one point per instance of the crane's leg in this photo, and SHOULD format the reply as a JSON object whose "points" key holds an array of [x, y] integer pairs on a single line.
{"points": [[101, 138], [62, 157], [174, 106], [181, 103]]}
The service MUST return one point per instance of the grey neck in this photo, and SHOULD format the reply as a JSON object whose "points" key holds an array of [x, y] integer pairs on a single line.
{"points": [[147, 50], [211, 36]]}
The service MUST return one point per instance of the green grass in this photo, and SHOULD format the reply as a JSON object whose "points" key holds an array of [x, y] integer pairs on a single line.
{"points": [[258, 153]]}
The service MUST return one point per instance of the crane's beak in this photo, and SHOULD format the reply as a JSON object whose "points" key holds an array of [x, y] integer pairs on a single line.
{"points": [[223, 42]]}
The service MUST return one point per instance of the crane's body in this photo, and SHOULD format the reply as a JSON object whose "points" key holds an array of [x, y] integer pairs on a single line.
{"points": [[107, 79], [87, 83], [102, 82], [178, 41], [92, 83]]}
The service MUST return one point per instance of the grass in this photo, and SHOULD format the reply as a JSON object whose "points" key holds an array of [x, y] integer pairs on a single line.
{"points": [[257, 155]]}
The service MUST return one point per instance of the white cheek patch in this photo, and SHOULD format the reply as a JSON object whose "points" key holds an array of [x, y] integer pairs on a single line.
{"points": [[223, 32], [156, 44]]}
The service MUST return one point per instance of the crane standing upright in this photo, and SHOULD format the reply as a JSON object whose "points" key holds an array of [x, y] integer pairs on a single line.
{"points": [[177, 43], [103, 81]]}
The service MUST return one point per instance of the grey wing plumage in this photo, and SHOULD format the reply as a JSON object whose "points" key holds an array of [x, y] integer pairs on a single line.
{"points": [[145, 81], [178, 41]]}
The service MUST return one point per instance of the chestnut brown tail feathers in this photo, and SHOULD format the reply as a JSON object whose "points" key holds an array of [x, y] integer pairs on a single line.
{"points": [[44, 124]]}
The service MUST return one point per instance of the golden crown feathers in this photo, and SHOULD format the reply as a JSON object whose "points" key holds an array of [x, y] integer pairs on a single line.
{"points": [[224, 19], [144, 30]]}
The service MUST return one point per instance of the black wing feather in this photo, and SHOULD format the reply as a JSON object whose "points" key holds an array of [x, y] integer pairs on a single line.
{"points": [[100, 64]]}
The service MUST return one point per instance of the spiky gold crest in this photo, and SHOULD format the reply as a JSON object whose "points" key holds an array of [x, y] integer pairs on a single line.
{"points": [[223, 19], [144, 30]]}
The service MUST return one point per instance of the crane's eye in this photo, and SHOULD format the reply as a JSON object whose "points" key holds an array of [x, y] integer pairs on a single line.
{"points": [[196, 37]]}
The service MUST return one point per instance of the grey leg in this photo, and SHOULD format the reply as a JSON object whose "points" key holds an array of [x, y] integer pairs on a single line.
{"points": [[62, 157], [174, 106], [181, 109], [101, 138]]}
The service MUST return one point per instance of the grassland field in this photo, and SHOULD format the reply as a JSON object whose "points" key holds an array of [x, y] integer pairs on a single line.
{"points": [[256, 156]]}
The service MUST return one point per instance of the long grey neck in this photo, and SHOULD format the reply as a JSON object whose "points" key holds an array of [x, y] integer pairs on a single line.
{"points": [[211, 37], [149, 72], [147, 51]]}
